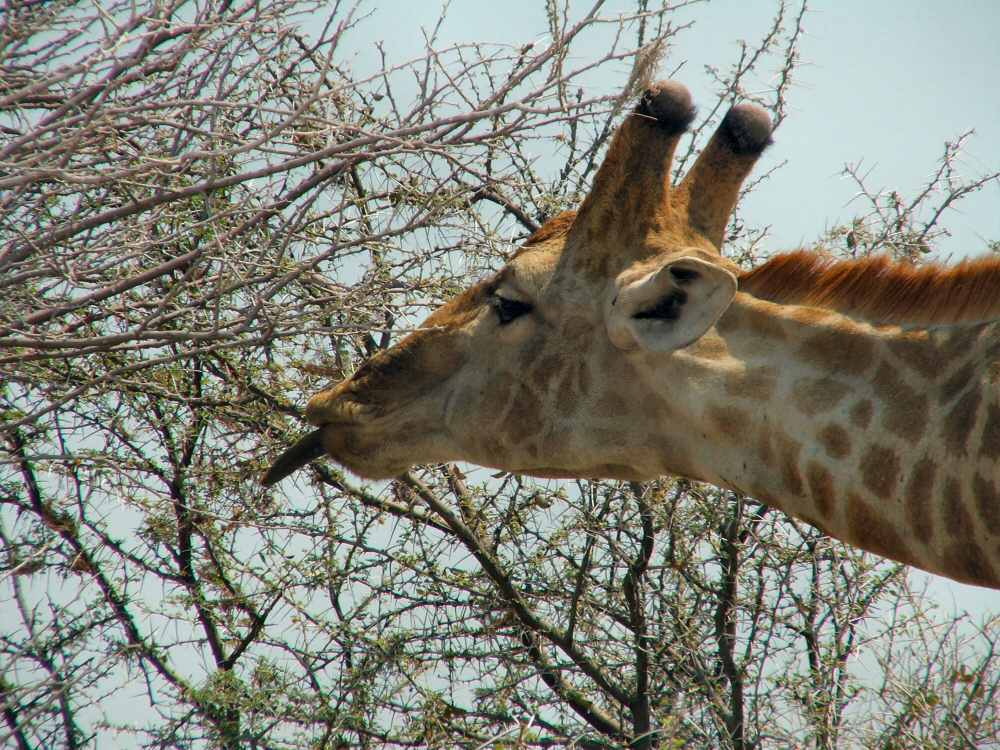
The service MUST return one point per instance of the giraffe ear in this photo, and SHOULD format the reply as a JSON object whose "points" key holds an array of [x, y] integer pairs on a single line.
{"points": [[670, 307]]}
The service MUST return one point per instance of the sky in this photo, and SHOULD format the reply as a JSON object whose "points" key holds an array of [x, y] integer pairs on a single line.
{"points": [[884, 84], [888, 83]]}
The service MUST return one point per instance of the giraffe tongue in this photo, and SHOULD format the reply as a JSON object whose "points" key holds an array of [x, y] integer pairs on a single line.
{"points": [[306, 449]]}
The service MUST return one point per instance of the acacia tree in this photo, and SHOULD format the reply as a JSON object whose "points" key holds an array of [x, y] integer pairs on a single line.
{"points": [[207, 214]]}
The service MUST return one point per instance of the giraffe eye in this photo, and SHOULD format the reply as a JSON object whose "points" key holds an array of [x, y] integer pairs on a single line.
{"points": [[508, 310]]}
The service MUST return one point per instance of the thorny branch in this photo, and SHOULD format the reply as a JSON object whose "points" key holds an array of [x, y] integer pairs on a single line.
{"points": [[208, 211]]}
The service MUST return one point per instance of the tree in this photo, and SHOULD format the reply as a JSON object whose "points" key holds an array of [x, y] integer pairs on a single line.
{"points": [[208, 213]]}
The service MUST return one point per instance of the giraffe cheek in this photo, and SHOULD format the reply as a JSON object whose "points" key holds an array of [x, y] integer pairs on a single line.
{"points": [[437, 359], [344, 447], [477, 405]]}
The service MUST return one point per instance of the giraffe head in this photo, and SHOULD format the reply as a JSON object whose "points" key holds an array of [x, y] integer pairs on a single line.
{"points": [[526, 371]]}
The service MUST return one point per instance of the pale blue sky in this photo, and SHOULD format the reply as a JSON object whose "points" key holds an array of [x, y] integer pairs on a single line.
{"points": [[887, 82], [884, 82]]}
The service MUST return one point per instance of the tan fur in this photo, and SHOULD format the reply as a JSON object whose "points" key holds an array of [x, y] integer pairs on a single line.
{"points": [[885, 438], [881, 290], [556, 227]]}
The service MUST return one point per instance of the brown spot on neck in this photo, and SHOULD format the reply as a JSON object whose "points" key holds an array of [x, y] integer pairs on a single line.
{"points": [[836, 350], [957, 520], [957, 383], [904, 411], [813, 396], [835, 440], [916, 351], [872, 532], [962, 342], [727, 421], [987, 503], [965, 561], [757, 384], [880, 471], [821, 488], [861, 414], [960, 420], [989, 444], [918, 493], [788, 453]]}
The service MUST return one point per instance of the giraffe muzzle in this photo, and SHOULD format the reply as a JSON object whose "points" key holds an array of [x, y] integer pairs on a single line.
{"points": [[331, 407]]}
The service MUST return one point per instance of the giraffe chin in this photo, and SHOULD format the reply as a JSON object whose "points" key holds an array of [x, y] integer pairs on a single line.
{"points": [[374, 474], [333, 441], [365, 457]]}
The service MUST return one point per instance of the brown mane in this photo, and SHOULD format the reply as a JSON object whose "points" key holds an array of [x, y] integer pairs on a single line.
{"points": [[881, 290]]}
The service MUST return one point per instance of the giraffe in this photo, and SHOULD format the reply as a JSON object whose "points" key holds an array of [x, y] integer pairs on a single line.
{"points": [[861, 397]]}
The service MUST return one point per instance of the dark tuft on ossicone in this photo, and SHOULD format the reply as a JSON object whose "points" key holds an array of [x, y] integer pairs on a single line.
{"points": [[748, 128], [669, 103]]}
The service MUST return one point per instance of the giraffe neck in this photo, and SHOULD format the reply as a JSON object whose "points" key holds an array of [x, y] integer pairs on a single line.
{"points": [[886, 439]]}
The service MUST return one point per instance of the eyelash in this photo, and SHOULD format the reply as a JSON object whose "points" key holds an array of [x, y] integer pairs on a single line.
{"points": [[508, 310]]}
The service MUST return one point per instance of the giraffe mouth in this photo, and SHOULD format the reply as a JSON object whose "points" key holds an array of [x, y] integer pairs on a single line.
{"points": [[326, 440], [365, 439], [327, 411]]}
